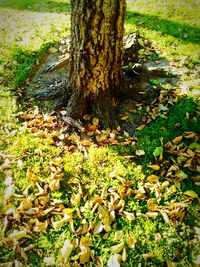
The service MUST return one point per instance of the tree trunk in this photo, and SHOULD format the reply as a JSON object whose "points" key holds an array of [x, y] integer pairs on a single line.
{"points": [[97, 29]]}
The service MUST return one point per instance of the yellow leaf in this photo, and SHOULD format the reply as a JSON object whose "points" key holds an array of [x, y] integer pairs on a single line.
{"points": [[85, 254], [85, 228], [86, 117], [191, 194], [16, 235], [85, 241], [86, 143], [54, 185], [117, 248], [124, 118], [40, 226], [190, 153], [131, 242], [140, 152], [66, 249], [95, 121], [154, 167], [49, 261], [130, 216], [148, 256], [25, 204], [75, 199], [114, 261], [152, 178], [98, 228], [181, 175], [140, 127], [177, 139], [124, 255], [90, 133]]}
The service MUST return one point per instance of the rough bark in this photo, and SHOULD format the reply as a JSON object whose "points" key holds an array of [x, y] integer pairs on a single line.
{"points": [[96, 57]]}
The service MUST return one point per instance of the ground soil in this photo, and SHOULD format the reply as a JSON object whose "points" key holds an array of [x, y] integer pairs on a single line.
{"points": [[144, 79]]}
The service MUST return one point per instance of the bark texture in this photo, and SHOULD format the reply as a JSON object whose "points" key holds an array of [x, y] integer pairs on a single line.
{"points": [[97, 29]]}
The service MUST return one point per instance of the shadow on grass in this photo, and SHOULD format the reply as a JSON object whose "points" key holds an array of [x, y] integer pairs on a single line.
{"points": [[181, 31], [37, 5]]}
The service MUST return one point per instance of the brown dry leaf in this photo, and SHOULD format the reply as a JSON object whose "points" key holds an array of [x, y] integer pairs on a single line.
{"points": [[91, 128], [196, 178], [40, 189], [124, 255], [152, 178], [154, 167], [148, 256], [86, 143]]}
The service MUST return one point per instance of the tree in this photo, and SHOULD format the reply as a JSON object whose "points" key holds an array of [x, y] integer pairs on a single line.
{"points": [[97, 29]]}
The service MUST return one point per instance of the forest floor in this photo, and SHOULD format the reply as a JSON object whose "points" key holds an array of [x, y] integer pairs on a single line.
{"points": [[115, 197]]}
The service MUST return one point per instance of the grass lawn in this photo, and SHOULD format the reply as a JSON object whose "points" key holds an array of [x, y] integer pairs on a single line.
{"points": [[129, 201]]}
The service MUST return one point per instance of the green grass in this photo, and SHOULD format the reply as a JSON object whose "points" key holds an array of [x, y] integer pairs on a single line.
{"points": [[173, 27], [112, 176]]}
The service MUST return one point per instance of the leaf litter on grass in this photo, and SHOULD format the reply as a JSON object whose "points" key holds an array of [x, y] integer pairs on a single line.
{"points": [[103, 200], [93, 201]]}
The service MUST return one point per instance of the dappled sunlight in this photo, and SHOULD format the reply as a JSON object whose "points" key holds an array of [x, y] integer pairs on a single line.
{"points": [[73, 193], [29, 30], [179, 30], [176, 11], [57, 6]]}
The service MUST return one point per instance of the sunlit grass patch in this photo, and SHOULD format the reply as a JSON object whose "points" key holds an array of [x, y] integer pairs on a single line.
{"points": [[173, 27], [30, 30]]}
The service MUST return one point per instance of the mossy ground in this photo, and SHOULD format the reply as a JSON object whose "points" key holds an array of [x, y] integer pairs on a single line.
{"points": [[110, 196]]}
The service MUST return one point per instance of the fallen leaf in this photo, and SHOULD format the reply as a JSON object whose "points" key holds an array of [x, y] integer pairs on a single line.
{"points": [[177, 139], [140, 127], [154, 167], [49, 261], [191, 194], [140, 152], [40, 226], [66, 249], [114, 261], [117, 248], [158, 150], [152, 178], [95, 121]]}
